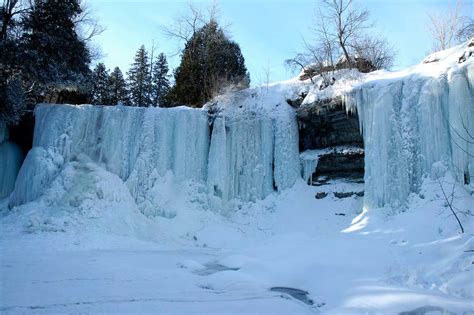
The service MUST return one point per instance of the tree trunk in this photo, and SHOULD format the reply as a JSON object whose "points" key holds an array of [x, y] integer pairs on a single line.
{"points": [[346, 54]]}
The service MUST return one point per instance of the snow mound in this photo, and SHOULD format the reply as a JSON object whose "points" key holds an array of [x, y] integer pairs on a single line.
{"points": [[82, 196]]}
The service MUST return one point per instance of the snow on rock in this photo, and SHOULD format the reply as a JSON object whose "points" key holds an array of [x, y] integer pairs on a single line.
{"points": [[345, 79], [412, 119]]}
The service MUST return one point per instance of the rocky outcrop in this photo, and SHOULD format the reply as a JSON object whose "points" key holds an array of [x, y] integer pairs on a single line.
{"points": [[340, 164], [333, 143], [327, 124]]}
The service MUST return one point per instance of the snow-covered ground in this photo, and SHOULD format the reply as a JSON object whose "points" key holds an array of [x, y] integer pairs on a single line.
{"points": [[349, 260]]}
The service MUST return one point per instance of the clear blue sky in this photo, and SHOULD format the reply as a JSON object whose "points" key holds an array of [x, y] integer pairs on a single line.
{"points": [[268, 31]]}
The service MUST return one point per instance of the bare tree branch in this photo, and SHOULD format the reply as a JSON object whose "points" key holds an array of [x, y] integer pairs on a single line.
{"points": [[450, 204], [8, 12], [450, 27]]}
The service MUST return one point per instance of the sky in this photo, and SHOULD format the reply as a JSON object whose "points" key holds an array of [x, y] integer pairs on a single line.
{"points": [[268, 31]]}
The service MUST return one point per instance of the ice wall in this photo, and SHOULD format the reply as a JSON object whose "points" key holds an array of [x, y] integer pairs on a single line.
{"points": [[137, 144], [254, 145], [10, 162], [412, 119], [236, 154]]}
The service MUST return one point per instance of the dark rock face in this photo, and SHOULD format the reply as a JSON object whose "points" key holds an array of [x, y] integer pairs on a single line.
{"points": [[321, 195], [348, 165], [22, 133], [342, 195], [326, 124]]}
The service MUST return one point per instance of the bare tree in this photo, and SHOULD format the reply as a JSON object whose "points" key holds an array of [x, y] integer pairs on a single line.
{"points": [[450, 203], [316, 60], [450, 27], [302, 63], [87, 25], [185, 25], [340, 22], [340, 27], [266, 75], [8, 12], [466, 31], [377, 51]]}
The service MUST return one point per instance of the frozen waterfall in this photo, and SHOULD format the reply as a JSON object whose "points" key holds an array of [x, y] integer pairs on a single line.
{"points": [[239, 153], [412, 120]]}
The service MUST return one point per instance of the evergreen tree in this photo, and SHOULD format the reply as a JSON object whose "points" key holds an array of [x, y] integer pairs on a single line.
{"points": [[117, 87], [211, 62], [13, 101], [100, 94], [139, 79], [40, 51], [161, 83], [54, 54]]}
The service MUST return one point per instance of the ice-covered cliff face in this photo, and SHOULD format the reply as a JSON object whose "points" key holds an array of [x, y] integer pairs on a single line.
{"points": [[10, 162], [412, 120], [254, 146], [243, 152]]}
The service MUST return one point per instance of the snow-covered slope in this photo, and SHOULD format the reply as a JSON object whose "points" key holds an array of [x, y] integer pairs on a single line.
{"points": [[414, 118]]}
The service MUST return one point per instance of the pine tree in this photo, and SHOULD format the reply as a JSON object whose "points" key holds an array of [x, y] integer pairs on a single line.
{"points": [[211, 62], [139, 79], [161, 83], [53, 52], [117, 87], [13, 101], [41, 52], [100, 94]]}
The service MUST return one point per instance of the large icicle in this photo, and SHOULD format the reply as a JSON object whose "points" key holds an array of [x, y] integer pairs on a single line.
{"points": [[412, 119], [254, 146]]}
